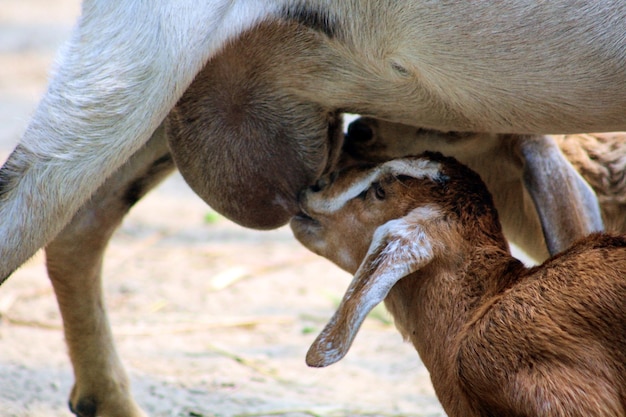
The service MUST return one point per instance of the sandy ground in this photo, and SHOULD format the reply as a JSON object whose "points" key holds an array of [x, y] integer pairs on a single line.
{"points": [[210, 319]]}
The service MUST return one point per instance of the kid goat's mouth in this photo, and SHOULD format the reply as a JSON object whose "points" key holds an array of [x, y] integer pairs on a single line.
{"points": [[304, 217]]}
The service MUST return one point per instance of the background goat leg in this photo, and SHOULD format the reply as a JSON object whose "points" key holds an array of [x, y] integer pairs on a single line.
{"points": [[74, 261], [551, 181]]}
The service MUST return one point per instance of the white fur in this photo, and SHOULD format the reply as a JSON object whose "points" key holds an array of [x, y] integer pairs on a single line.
{"points": [[408, 238]]}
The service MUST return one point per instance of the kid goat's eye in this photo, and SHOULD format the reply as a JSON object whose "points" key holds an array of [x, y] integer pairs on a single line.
{"points": [[376, 189], [379, 192]]}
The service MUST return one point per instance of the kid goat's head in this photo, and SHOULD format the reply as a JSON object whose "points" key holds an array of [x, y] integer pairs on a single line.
{"points": [[385, 222]]}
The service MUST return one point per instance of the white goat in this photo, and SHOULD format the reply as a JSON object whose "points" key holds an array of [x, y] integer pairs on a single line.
{"points": [[530, 194], [100, 123], [499, 339]]}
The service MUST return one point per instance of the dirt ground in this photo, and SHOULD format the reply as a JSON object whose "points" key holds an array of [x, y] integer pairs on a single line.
{"points": [[210, 319]]}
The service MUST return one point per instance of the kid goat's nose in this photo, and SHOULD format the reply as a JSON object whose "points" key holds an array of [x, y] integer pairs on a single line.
{"points": [[323, 182]]}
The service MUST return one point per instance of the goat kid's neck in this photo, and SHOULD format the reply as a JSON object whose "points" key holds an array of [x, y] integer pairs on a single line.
{"points": [[431, 306]]}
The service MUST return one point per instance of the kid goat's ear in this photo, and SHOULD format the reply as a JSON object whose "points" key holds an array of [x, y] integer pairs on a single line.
{"points": [[399, 248]]}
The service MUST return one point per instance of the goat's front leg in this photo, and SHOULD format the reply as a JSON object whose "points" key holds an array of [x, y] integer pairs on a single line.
{"points": [[567, 206], [74, 260]]}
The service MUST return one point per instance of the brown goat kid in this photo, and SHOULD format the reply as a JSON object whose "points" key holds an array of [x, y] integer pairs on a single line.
{"points": [[498, 338]]}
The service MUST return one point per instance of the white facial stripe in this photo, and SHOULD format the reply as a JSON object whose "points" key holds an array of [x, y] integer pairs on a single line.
{"points": [[331, 205]]}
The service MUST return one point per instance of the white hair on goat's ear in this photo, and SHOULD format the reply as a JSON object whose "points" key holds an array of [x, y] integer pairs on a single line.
{"points": [[414, 167], [399, 248]]}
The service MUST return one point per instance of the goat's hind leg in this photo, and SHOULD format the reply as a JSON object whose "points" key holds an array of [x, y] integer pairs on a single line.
{"points": [[567, 205], [74, 261]]}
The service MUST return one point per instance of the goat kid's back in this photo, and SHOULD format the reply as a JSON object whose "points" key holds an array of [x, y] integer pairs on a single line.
{"points": [[553, 343]]}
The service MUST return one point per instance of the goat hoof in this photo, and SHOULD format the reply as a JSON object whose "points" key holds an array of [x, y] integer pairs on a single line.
{"points": [[85, 407], [105, 402]]}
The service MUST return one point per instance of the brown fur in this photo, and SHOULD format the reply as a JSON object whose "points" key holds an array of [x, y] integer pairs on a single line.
{"points": [[498, 338]]}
